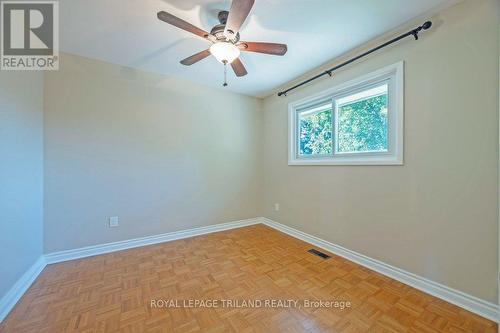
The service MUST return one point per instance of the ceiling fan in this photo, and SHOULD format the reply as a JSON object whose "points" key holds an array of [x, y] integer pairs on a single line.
{"points": [[225, 38]]}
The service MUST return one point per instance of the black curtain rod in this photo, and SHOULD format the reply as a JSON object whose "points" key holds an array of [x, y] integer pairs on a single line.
{"points": [[328, 72]]}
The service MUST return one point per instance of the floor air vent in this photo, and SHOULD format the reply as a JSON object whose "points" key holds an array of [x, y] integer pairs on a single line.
{"points": [[319, 254]]}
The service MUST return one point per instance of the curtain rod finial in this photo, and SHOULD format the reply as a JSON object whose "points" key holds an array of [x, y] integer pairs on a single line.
{"points": [[427, 25]]}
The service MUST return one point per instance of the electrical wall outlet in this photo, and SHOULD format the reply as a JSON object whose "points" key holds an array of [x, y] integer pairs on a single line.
{"points": [[276, 207], [114, 221]]}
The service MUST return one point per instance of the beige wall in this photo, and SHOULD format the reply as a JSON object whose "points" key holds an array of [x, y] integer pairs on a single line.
{"points": [[161, 153], [21, 174], [436, 216]]}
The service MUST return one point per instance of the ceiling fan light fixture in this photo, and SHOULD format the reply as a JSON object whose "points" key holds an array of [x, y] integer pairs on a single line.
{"points": [[225, 52], [224, 36]]}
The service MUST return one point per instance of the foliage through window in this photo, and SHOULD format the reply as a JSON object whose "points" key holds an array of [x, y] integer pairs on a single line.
{"points": [[362, 121], [358, 123], [316, 131]]}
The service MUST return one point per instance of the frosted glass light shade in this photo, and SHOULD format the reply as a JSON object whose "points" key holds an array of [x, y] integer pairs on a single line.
{"points": [[224, 51]]}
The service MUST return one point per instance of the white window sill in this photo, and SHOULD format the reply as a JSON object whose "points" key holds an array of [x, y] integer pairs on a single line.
{"points": [[375, 160]]}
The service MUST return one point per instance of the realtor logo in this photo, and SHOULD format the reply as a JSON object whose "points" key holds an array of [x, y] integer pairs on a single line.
{"points": [[30, 35]]}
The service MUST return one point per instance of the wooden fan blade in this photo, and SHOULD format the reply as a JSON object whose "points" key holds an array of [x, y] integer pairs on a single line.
{"points": [[238, 67], [195, 58], [267, 48], [179, 23], [237, 15]]}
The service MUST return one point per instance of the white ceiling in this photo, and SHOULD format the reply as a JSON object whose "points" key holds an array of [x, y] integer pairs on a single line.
{"points": [[127, 32]]}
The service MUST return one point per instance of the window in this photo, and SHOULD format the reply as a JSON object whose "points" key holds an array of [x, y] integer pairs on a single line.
{"points": [[359, 122]]}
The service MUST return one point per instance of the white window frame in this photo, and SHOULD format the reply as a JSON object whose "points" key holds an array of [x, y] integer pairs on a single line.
{"points": [[394, 76]]}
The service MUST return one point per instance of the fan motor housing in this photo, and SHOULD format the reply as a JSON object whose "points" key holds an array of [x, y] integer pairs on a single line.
{"points": [[218, 30]]}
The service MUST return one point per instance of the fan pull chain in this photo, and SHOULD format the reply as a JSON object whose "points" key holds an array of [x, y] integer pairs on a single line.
{"points": [[225, 74]]}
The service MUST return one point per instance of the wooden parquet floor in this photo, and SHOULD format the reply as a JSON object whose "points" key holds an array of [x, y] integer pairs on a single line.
{"points": [[113, 292]]}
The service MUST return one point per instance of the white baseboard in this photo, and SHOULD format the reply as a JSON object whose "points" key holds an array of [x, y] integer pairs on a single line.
{"points": [[89, 251], [10, 299], [461, 299]]}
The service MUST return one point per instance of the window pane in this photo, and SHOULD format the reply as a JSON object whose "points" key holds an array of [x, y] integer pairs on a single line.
{"points": [[315, 131], [362, 123]]}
